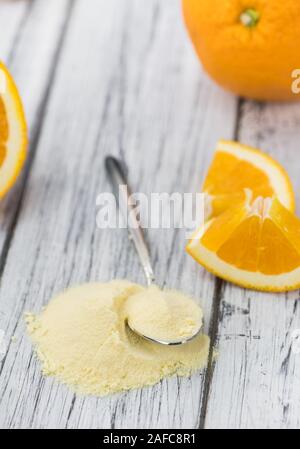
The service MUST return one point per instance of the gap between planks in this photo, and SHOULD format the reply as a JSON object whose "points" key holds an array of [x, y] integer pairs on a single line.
{"points": [[215, 317]]}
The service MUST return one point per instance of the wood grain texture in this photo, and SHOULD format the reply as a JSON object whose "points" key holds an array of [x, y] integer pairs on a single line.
{"points": [[31, 59], [127, 83], [12, 15], [256, 378]]}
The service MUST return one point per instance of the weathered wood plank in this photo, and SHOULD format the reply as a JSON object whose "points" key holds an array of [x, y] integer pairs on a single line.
{"points": [[128, 83], [256, 378], [31, 57], [12, 14]]}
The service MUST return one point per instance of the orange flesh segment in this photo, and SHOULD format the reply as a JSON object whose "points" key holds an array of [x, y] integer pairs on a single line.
{"points": [[276, 255], [288, 223], [4, 131], [213, 239], [244, 176], [237, 251], [221, 203], [227, 178], [222, 165], [268, 243], [229, 174]]}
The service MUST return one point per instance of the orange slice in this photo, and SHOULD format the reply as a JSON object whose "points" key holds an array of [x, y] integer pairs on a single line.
{"points": [[255, 244], [236, 167], [13, 132]]}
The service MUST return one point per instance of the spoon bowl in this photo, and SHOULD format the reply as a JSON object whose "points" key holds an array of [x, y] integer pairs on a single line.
{"points": [[163, 342]]}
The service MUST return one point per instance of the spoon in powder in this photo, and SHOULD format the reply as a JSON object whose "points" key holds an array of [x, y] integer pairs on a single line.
{"points": [[171, 318]]}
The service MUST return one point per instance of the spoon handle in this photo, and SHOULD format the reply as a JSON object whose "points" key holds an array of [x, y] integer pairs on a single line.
{"points": [[122, 191]]}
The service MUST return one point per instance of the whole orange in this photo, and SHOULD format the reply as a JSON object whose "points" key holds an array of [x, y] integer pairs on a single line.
{"points": [[249, 47]]}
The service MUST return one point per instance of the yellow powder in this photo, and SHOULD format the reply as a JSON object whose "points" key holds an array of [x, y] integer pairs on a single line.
{"points": [[81, 339], [164, 315]]}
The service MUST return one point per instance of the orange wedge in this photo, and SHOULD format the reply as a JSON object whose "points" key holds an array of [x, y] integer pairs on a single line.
{"points": [[237, 167], [13, 132], [255, 244]]}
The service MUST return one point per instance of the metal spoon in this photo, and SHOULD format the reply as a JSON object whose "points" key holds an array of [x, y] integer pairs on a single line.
{"points": [[122, 191]]}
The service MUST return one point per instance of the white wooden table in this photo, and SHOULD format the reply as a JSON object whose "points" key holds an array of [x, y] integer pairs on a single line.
{"points": [[121, 77]]}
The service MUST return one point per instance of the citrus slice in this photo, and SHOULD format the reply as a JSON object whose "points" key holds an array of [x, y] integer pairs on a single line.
{"points": [[236, 167], [13, 132], [255, 244]]}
